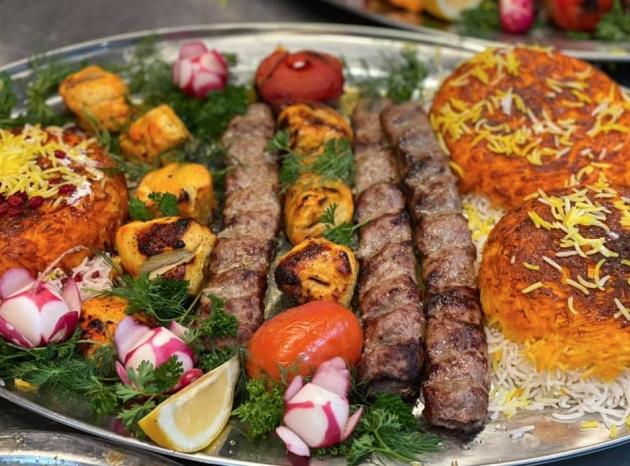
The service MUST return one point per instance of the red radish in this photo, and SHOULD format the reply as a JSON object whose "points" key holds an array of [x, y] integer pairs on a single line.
{"points": [[136, 342], [33, 313], [199, 71], [517, 16], [317, 414], [294, 443]]}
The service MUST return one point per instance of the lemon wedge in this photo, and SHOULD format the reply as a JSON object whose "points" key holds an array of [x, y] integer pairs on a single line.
{"points": [[450, 10], [192, 418]]}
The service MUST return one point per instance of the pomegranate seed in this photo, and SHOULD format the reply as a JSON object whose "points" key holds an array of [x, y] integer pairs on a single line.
{"points": [[67, 189], [78, 277], [35, 202], [96, 274], [60, 154], [15, 200], [14, 211], [57, 180]]}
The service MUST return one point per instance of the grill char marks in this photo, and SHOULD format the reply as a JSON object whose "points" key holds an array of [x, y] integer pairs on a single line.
{"points": [[457, 378], [389, 299], [240, 260]]}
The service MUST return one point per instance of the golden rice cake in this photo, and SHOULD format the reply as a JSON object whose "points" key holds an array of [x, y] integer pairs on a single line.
{"points": [[555, 276], [56, 193], [518, 119]]}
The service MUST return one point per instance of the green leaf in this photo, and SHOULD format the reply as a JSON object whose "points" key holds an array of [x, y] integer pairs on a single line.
{"points": [[8, 100], [130, 417], [340, 234], [162, 298], [166, 203], [615, 25], [262, 411], [220, 324], [482, 21], [138, 210]]}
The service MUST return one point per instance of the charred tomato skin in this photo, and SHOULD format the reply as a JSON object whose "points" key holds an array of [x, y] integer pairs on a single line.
{"points": [[577, 15], [284, 78]]}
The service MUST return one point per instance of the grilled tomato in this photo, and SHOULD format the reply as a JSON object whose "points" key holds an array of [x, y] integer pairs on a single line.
{"points": [[173, 247], [307, 199], [300, 339], [157, 131], [577, 15], [284, 78], [94, 92], [318, 269], [191, 183]]}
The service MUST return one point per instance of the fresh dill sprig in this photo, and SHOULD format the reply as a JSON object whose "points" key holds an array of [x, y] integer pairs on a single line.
{"points": [[162, 298], [336, 161], [340, 234]]}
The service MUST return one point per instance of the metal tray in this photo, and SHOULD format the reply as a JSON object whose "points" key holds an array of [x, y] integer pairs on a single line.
{"points": [[29, 447], [381, 12], [550, 440]]}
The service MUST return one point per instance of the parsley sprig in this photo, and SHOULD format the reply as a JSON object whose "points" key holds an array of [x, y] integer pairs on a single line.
{"points": [[387, 431], [166, 204], [482, 21], [8, 100], [263, 408]]}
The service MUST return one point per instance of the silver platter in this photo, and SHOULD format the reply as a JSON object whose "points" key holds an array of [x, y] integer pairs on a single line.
{"points": [[27, 447], [594, 50], [549, 441]]}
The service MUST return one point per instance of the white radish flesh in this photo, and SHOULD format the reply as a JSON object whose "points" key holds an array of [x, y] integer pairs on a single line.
{"points": [[293, 442]]}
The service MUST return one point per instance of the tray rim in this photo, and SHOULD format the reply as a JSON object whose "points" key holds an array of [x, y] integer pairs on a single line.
{"points": [[598, 56], [463, 44]]}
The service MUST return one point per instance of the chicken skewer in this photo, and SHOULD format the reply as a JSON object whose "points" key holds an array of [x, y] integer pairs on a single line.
{"points": [[240, 261], [457, 378], [389, 299], [316, 268]]}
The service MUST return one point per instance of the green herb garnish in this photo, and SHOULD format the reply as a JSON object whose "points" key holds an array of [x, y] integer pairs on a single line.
{"points": [[340, 234], [615, 25], [387, 431], [482, 21], [8, 100], [336, 161], [162, 298], [263, 409], [149, 385], [166, 204]]}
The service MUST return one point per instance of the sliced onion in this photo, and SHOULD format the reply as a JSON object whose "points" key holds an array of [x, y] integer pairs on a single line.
{"points": [[192, 49], [293, 443], [14, 280]]}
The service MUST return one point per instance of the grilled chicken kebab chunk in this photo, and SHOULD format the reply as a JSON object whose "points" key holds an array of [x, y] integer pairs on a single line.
{"points": [[457, 379], [240, 261], [389, 299]]}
